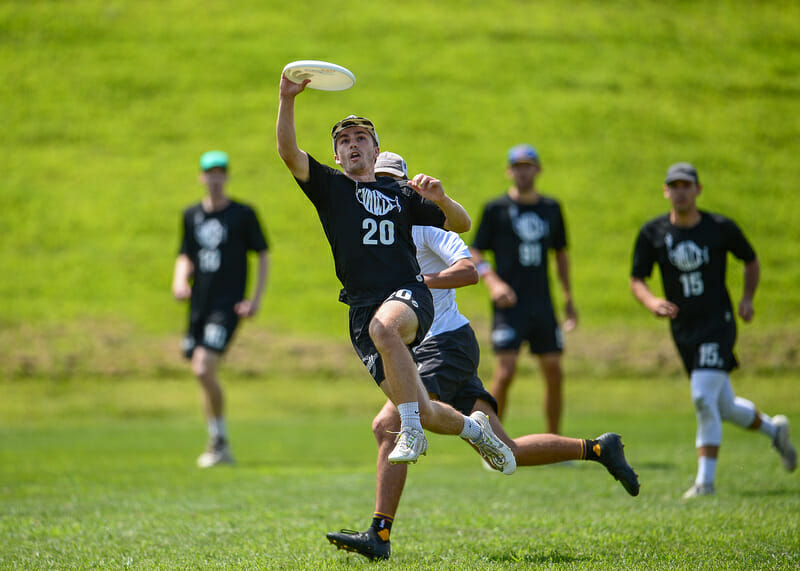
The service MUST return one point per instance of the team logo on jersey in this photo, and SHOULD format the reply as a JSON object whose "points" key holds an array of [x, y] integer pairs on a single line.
{"points": [[686, 256], [529, 227], [210, 233], [376, 202]]}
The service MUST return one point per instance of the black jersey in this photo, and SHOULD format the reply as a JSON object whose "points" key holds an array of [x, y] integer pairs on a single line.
{"points": [[693, 264], [520, 236], [217, 244], [368, 226]]}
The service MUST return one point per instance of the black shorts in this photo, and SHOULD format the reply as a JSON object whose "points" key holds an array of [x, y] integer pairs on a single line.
{"points": [[448, 365], [536, 325], [213, 330], [416, 296], [713, 350]]}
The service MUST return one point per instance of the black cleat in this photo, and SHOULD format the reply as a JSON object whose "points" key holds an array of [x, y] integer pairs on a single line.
{"points": [[366, 543], [608, 448]]}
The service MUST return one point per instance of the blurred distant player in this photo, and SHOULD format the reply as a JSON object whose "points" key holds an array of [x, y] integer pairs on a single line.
{"points": [[217, 234], [448, 364], [691, 247], [520, 228]]}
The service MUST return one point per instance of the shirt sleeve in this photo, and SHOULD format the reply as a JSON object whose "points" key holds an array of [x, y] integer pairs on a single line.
{"points": [[737, 243], [447, 245], [424, 212], [317, 187], [185, 246], [256, 239], [644, 256], [560, 231]]}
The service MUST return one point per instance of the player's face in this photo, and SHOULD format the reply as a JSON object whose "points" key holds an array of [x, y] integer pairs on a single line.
{"points": [[682, 194], [356, 151], [523, 174], [214, 178]]}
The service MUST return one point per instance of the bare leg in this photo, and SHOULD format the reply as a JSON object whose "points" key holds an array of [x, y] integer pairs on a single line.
{"points": [[204, 366], [534, 449], [392, 328], [550, 365], [390, 478], [504, 369]]}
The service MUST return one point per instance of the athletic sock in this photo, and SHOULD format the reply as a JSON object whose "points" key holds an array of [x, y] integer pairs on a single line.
{"points": [[382, 524], [409, 415], [588, 450], [217, 429], [766, 426], [706, 470], [471, 430]]}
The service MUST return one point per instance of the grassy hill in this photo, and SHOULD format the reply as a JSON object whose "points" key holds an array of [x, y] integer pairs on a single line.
{"points": [[107, 107]]}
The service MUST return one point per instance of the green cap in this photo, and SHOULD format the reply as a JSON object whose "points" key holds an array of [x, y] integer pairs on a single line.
{"points": [[213, 159]]}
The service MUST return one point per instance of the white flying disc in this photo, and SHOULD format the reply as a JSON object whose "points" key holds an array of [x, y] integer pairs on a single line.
{"points": [[323, 75]]}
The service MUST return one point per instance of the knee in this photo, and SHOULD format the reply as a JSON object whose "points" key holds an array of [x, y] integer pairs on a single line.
{"points": [[382, 334], [383, 426], [702, 403]]}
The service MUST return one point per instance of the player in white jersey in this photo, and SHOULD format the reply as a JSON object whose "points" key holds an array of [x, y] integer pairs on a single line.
{"points": [[448, 360]]}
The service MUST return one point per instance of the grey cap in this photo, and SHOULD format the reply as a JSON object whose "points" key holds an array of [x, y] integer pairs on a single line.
{"points": [[681, 171], [392, 164]]}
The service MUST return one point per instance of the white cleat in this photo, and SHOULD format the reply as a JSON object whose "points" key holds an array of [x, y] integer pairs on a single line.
{"points": [[782, 443], [217, 453], [494, 451], [411, 444], [699, 490]]}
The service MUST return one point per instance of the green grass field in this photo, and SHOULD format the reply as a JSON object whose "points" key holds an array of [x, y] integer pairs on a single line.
{"points": [[98, 474], [106, 108]]}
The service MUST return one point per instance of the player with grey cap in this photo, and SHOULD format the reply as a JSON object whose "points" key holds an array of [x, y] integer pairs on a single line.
{"points": [[690, 247]]}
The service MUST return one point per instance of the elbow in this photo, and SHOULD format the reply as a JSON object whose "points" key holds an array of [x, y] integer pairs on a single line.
{"points": [[471, 276]]}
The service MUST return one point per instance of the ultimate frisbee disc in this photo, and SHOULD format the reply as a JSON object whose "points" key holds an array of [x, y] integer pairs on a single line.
{"points": [[323, 75]]}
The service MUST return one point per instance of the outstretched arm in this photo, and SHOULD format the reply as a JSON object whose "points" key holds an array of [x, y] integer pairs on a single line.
{"points": [[295, 158], [431, 188], [656, 305]]}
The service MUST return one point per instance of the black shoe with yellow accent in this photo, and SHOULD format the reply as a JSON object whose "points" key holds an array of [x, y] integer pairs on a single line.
{"points": [[366, 543], [608, 449]]}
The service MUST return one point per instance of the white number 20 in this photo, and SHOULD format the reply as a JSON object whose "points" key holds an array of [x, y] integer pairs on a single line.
{"points": [[384, 231]]}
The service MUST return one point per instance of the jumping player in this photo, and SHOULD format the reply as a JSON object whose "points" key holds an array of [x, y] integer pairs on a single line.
{"points": [[368, 224], [448, 363], [217, 234], [690, 247], [519, 228]]}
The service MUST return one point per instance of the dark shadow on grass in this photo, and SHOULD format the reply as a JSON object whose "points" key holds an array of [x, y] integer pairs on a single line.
{"points": [[542, 558], [655, 466]]}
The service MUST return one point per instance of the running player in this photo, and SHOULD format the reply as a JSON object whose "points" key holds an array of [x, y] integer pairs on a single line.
{"points": [[448, 363], [690, 247], [519, 228], [217, 234], [368, 224]]}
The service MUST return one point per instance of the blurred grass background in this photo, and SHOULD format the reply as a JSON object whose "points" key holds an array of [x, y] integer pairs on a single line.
{"points": [[107, 106]]}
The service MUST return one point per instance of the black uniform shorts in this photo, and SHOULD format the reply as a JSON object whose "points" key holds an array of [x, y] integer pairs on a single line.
{"points": [[448, 365], [212, 330], [536, 325], [417, 296], [711, 350]]}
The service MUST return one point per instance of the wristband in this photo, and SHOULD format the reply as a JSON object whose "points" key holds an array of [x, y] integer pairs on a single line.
{"points": [[483, 268]]}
